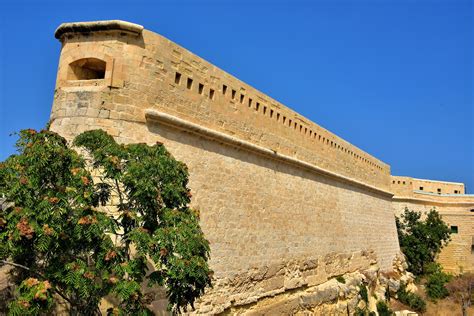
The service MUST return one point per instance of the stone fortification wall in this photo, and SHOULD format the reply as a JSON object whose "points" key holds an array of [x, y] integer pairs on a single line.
{"points": [[457, 210], [144, 70], [285, 204], [406, 186]]}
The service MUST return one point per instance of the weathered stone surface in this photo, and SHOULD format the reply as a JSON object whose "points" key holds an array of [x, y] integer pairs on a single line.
{"points": [[286, 205]]}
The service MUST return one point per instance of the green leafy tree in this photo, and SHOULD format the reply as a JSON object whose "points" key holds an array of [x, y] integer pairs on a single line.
{"points": [[61, 242], [421, 240], [435, 281]]}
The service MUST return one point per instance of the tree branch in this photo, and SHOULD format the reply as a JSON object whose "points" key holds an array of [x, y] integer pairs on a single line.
{"points": [[39, 275]]}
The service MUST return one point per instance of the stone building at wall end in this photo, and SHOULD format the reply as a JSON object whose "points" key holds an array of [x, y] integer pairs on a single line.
{"points": [[456, 209], [286, 205]]}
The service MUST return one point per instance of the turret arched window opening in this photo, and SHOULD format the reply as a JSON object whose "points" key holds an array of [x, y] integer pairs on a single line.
{"points": [[87, 69]]}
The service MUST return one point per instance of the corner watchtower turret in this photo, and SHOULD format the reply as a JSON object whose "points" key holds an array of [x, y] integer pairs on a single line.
{"points": [[90, 71]]}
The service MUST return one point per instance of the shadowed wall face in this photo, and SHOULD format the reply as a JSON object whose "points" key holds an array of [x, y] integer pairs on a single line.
{"points": [[273, 226]]}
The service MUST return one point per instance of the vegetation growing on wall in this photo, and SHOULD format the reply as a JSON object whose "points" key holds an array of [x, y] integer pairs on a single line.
{"points": [[61, 243], [421, 240]]}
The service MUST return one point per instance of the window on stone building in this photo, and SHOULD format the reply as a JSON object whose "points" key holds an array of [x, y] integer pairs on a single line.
{"points": [[242, 98], [86, 69], [439, 191], [456, 191], [224, 89], [211, 94], [177, 78], [189, 83], [421, 188], [201, 88], [472, 210], [233, 94], [250, 102], [454, 229]]}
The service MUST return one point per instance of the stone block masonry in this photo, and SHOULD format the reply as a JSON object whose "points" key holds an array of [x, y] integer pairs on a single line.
{"points": [[285, 204]]}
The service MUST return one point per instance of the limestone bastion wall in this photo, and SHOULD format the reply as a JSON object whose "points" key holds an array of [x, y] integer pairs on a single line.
{"points": [[284, 203], [456, 209]]}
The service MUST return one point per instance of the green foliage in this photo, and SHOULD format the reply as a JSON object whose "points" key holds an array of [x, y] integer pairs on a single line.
{"points": [[383, 309], [363, 293], [363, 312], [410, 299], [341, 279], [59, 237], [360, 312], [421, 240], [436, 280]]}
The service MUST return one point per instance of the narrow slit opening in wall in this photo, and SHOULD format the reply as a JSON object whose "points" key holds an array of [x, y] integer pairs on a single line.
{"points": [[233, 94], [264, 110], [177, 78], [271, 113], [224, 89], [289, 122], [284, 119], [257, 106], [189, 83], [242, 98], [201, 88], [278, 116], [211, 94], [296, 124], [250, 102]]}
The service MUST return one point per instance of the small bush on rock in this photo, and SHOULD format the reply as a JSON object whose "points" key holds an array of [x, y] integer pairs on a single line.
{"points": [[436, 280], [413, 300], [341, 279], [363, 293], [383, 309]]}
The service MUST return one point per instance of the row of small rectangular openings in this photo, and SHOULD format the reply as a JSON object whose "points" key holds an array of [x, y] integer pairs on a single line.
{"points": [[289, 122], [314, 135], [189, 85], [400, 182]]}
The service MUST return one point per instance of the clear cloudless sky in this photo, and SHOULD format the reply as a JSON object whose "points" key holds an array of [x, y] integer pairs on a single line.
{"points": [[393, 77]]}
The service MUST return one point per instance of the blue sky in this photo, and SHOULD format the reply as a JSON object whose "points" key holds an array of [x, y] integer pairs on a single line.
{"points": [[392, 77]]}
